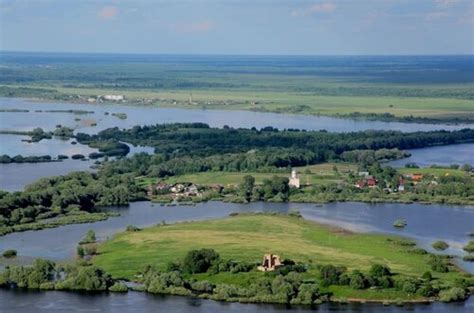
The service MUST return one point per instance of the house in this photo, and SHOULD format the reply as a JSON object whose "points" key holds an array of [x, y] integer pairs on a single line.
{"points": [[160, 188], [216, 187], [371, 182], [417, 177], [363, 173], [360, 184], [294, 180], [270, 263], [401, 184], [114, 97]]}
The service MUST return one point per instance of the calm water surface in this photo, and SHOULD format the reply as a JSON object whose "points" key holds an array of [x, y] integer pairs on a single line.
{"points": [[143, 115], [426, 223], [442, 155], [136, 302]]}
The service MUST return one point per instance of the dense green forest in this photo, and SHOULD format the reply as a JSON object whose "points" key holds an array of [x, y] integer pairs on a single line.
{"points": [[198, 139]]}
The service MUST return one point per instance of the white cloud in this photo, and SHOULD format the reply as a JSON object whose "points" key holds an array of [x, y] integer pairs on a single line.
{"points": [[445, 3], [325, 7], [435, 15]]}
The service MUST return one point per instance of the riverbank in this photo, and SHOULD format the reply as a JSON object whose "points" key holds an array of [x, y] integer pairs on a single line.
{"points": [[358, 112]]}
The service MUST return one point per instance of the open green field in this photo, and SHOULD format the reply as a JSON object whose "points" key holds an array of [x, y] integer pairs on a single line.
{"points": [[309, 175], [437, 172], [248, 237], [290, 102], [385, 87]]}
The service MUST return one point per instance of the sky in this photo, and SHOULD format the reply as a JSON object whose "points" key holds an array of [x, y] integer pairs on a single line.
{"points": [[291, 27]]}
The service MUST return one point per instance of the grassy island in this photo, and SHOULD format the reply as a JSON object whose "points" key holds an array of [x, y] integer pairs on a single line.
{"points": [[336, 262]]}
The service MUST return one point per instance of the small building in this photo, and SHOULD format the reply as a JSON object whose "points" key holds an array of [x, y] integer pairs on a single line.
{"points": [[294, 180], [371, 182], [114, 97], [417, 177], [401, 185], [270, 263], [364, 173], [360, 184]]}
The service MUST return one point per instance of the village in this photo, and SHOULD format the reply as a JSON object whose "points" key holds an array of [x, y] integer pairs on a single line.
{"points": [[384, 180]]}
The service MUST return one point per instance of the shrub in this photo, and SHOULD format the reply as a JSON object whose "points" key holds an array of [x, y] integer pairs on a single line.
{"points": [[89, 237], [357, 280], [118, 287], [330, 274], [202, 286], [282, 289], [199, 261], [469, 247], [378, 270], [407, 284], [440, 245], [468, 258], [427, 276], [307, 293], [400, 223], [10, 253], [426, 290], [438, 264], [224, 292], [452, 294], [132, 228]]}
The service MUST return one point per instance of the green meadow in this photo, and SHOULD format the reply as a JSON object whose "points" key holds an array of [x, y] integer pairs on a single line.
{"points": [[248, 237]]}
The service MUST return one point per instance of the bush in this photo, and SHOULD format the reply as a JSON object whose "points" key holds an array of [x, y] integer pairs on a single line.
{"points": [[400, 223], [426, 290], [407, 284], [452, 294], [89, 237], [469, 247], [440, 245], [427, 276], [10, 253], [378, 270], [118, 287], [282, 289], [202, 286], [468, 258], [199, 261], [132, 228], [307, 293], [438, 264], [330, 274], [225, 292], [357, 280]]}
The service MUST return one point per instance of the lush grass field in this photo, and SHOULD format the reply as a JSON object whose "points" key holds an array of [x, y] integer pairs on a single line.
{"points": [[437, 172], [309, 175], [436, 87], [248, 237], [290, 102]]}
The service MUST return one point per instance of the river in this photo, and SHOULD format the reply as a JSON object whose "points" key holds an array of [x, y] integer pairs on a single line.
{"points": [[426, 223], [150, 115], [136, 302]]}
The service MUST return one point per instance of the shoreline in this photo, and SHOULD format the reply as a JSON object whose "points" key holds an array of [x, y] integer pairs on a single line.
{"points": [[353, 116]]}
